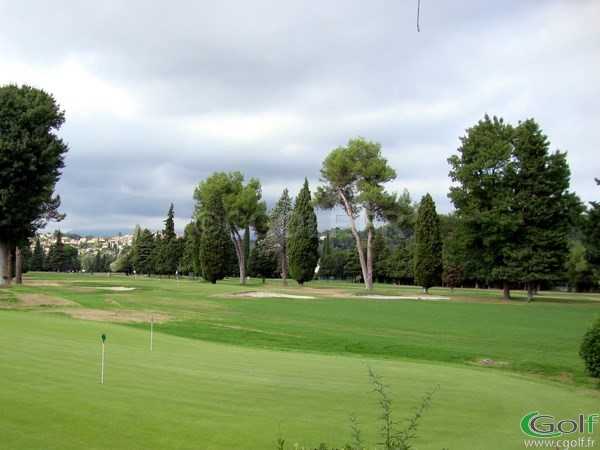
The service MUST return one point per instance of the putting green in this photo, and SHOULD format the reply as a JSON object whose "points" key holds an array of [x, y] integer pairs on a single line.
{"points": [[193, 394]]}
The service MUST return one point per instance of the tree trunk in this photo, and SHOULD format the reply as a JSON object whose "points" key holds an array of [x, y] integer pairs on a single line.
{"points": [[369, 280], [18, 266], [505, 290], [283, 255], [239, 252], [529, 286], [361, 254], [4, 264]]}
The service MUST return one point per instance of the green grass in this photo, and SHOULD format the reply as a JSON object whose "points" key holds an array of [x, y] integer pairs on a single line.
{"points": [[234, 372]]}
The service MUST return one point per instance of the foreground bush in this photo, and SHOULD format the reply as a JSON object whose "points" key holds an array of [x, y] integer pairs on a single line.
{"points": [[590, 349], [392, 437]]}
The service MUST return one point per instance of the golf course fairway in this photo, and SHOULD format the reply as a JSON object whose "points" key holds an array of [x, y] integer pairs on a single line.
{"points": [[188, 393]]}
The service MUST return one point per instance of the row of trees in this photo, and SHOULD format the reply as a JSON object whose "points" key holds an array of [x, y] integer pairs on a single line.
{"points": [[514, 224]]}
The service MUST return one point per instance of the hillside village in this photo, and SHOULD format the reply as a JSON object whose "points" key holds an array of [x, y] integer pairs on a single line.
{"points": [[87, 244]]}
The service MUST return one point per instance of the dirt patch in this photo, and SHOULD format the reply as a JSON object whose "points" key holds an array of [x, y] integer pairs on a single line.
{"points": [[121, 316], [33, 300], [486, 362], [264, 294]]}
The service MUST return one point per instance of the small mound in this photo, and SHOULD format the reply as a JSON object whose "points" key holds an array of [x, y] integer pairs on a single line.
{"points": [[263, 294]]}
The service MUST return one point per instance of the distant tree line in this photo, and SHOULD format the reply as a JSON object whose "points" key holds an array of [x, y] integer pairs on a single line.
{"points": [[515, 225]]}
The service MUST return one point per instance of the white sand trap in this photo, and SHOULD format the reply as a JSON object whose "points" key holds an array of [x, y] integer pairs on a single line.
{"points": [[403, 297], [115, 288], [269, 294]]}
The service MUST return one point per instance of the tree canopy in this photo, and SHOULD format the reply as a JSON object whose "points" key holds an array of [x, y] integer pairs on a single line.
{"points": [[428, 248], [242, 206], [513, 203], [303, 238], [31, 157], [354, 178]]}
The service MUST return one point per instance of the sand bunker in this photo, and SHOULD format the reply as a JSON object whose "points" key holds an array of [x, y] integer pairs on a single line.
{"points": [[115, 288], [404, 297]]}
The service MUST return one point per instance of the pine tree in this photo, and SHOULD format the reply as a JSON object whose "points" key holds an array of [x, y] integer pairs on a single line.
{"points": [[380, 255], [544, 206], [262, 263], [142, 257], [428, 250], [55, 259], [303, 238], [591, 235], [277, 236], [37, 261], [169, 252]]}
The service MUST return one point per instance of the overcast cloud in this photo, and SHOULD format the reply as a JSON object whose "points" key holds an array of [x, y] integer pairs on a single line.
{"points": [[158, 95]]}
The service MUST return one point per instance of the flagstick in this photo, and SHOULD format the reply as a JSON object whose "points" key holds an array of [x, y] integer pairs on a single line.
{"points": [[102, 369], [151, 330]]}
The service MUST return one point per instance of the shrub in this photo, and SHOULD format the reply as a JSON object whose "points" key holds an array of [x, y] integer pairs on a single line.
{"points": [[590, 349]]}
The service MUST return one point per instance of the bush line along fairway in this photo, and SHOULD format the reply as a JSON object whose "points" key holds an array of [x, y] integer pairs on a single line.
{"points": [[191, 393]]}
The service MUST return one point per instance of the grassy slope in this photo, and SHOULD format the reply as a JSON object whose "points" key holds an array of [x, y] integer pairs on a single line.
{"points": [[194, 394]]}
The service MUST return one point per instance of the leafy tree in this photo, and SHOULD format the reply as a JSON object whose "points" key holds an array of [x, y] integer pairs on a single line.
{"points": [[482, 197], [62, 257], [513, 202], [123, 261], [354, 177], [590, 349], [169, 250], [326, 247], [214, 240], [242, 206], [380, 255], [332, 264], [31, 156], [262, 263], [591, 235], [580, 274], [303, 238], [545, 209], [453, 251], [55, 261], [428, 248], [352, 267], [190, 260], [400, 264], [276, 238]]}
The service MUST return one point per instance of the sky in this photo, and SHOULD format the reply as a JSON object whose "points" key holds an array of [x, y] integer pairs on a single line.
{"points": [[158, 95]]}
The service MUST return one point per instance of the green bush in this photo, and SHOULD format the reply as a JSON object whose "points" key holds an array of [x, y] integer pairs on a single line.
{"points": [[590, 349]]}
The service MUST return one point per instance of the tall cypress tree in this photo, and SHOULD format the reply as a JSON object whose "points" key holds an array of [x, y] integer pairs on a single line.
{"points": [[428, 250], [277, 236], [215, 245], [303, 238]]}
